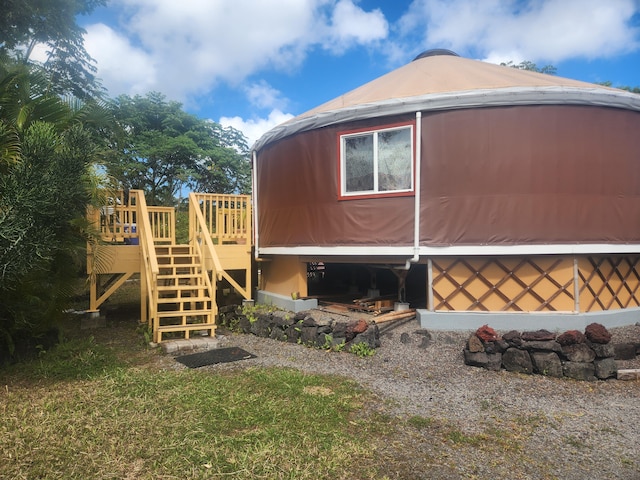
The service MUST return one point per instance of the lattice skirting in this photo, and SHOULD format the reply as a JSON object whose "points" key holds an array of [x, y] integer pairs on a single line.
{"points": [[534, 284]]}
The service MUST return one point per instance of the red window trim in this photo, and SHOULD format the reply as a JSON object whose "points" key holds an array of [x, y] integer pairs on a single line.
{"points": [[408, 193]]}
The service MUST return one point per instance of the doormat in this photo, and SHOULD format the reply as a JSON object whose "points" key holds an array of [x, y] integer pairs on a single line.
{"points": [[213, 356]]}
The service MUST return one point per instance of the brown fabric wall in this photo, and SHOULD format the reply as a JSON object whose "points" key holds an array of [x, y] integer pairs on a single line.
{"points": [[500, 175], [298, 205], [531, 174]]}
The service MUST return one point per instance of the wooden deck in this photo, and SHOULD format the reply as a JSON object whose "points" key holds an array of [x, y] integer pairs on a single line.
{"points": [[178, 283]]}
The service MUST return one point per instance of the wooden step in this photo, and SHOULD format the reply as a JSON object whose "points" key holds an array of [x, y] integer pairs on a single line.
{"points": [[183, 295], [180, 282], [174, 265], [178, 270], [173, 249], [184, 318], [184, 313], [184, 299], [174, 308], [183, 262], [180, 276], [179, 328], [186, 329], [175, 255], [180, 288]]}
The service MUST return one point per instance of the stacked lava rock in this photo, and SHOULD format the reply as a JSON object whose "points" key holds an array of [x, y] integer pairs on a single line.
{"points": [[587, 356], [302, 328]]}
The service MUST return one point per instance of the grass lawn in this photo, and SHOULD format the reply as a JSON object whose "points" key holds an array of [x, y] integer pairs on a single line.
{"points": [[101, 405]]}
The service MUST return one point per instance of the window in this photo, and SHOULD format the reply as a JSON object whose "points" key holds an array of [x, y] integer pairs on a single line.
{"points": [[378, 163]]}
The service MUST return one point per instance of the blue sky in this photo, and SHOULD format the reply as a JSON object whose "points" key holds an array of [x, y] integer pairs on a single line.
{"points": [[255, 63]]}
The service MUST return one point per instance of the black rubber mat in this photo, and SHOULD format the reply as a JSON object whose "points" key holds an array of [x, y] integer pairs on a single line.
{"points": [[216, 355]]}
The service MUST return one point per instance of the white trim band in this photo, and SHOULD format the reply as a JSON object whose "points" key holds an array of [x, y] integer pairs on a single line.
{"points": [[459, 250]]}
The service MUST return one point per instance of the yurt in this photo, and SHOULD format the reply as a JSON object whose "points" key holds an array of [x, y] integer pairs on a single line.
{"points": [[479, 193]]}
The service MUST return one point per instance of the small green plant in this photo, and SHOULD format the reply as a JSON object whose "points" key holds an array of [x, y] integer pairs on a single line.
{"points": [[146, 332], [574, 441], [460, 438], [252, 312], [362, 350], [419, 422], [340, 346]]}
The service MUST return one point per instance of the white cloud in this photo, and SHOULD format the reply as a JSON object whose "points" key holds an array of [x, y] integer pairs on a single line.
{"points": [[550, 30], [350, 24], [40, 53], [122, 67], [263, 95], [254, 128], [185, 48]]}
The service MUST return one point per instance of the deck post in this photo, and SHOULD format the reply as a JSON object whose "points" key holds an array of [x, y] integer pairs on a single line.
{"points": [[144, 315]]}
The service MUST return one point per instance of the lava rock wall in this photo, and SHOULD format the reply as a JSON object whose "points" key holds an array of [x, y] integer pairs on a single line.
{"points": [[582, 356]]}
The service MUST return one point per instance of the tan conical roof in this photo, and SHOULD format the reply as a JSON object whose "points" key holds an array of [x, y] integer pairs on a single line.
{"points": [[437, 82]]}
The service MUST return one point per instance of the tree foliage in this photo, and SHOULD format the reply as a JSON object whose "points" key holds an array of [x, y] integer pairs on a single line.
{"points": [[608, 83], [530, 66], [46, 146], [52, 133], [163, 150], [24, 24]]}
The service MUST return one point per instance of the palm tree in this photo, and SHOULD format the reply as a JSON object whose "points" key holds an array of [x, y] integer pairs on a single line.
{"points": [[47, 145]]}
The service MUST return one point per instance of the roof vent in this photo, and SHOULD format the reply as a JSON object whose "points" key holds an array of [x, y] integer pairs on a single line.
{"points": [[434, 52]]}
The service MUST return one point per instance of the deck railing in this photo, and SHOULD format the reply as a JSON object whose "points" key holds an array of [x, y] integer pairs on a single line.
{"points": [[227, 217], [149, 269], [203, 239], [118, 220], [163, 221]]}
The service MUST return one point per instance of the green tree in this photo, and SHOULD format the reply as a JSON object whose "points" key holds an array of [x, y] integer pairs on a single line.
{"points": [[162, 150], [46, 147], [24, 24], [608, 83], [530, 66], [227, 168]]}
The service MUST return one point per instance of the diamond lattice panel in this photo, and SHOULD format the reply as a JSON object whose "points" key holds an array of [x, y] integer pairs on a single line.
{"points": [[503, 284], [609, 283]]}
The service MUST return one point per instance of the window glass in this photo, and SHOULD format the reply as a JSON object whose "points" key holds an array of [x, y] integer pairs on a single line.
{"points": [[358, 153], [376, 162], [394, 160]]}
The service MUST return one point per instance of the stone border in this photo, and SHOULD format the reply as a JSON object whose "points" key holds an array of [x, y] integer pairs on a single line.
{"points": [[301, 327], [590, 356]]}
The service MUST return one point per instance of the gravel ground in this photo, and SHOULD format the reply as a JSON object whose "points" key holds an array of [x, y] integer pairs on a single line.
{"points": [[464, 422]]}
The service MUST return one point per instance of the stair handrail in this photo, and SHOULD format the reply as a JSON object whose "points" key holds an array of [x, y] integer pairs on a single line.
{"points": [[148, 254], [207, 281], [200, 225]]}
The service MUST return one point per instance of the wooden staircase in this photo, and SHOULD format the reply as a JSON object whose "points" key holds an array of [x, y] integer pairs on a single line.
{"points": [[178, 283], [185, 294]]}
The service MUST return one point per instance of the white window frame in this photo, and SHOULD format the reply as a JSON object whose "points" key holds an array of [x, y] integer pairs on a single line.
{"points": [[376, 192]]}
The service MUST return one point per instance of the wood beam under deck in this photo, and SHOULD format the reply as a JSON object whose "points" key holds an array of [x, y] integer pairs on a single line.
{"points": [[117, 263]]}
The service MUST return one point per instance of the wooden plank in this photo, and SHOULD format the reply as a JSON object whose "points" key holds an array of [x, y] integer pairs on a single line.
{"points": [[347, 306], [336, 308], [399, 315], [629, 374], [405, 315]]}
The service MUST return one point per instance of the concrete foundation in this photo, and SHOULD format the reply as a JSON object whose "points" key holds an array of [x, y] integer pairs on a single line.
{"points": [[525, 321], [286, 303]]}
